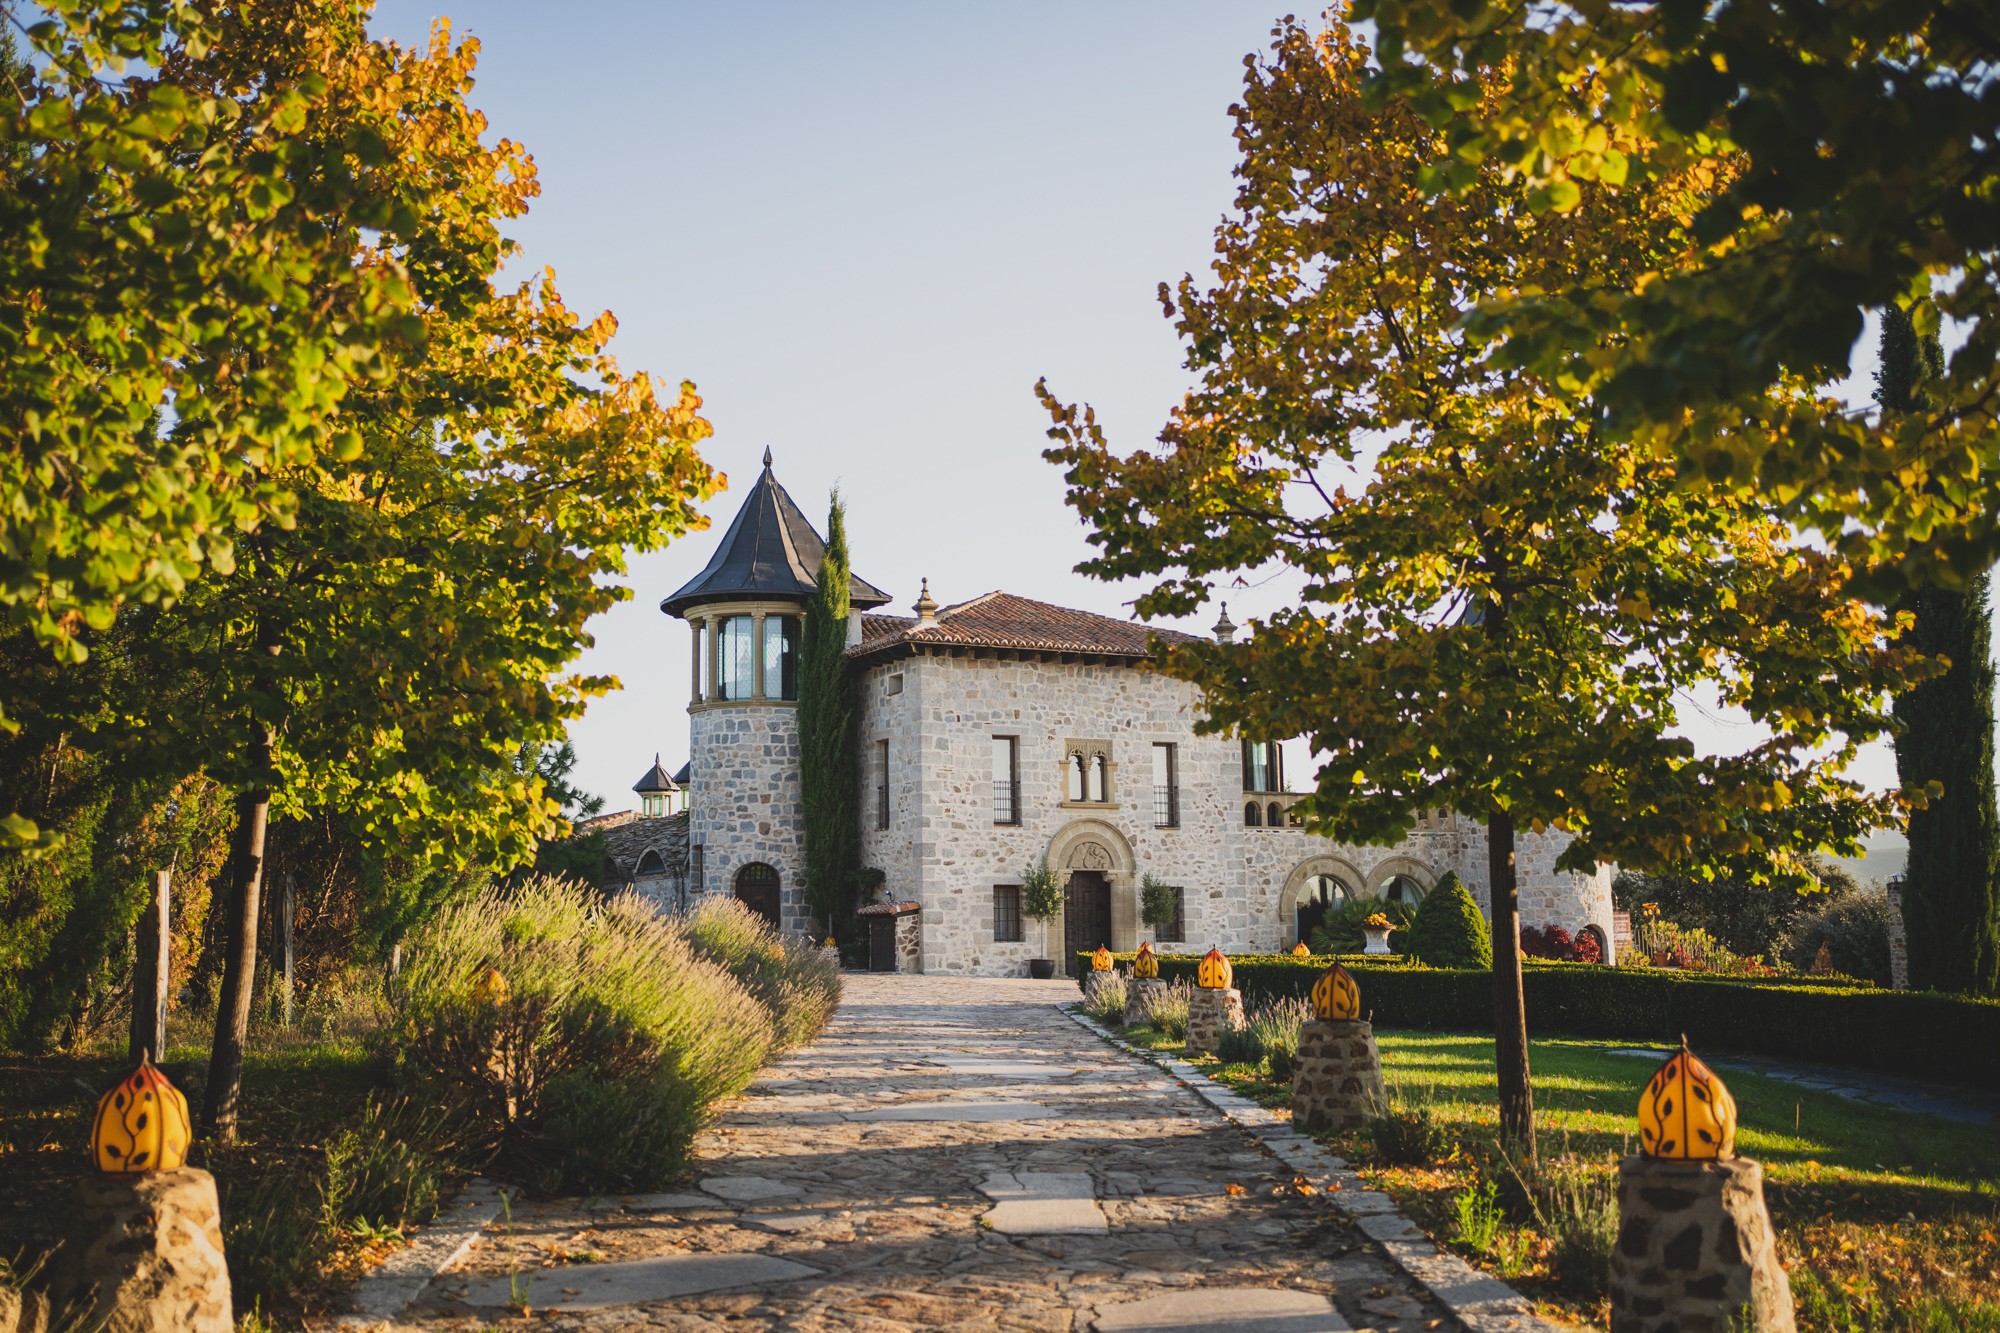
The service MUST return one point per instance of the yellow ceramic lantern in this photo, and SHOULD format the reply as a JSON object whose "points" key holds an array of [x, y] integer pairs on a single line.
{"points": [[491, 987], [142, 1124], [1335, 995], [1101, 960], [1214, 972], [1147, 964], [1686, 1113], [1300, 950]]}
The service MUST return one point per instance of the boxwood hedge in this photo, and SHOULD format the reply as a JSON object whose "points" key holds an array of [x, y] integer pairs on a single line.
{"points": [[1837, 1021]]}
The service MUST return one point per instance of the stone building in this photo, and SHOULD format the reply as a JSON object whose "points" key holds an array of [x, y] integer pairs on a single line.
{"points": [[995, 731]]}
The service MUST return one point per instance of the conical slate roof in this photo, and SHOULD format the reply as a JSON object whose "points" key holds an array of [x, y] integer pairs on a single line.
{"points": [[770, 550], [656, 780]]}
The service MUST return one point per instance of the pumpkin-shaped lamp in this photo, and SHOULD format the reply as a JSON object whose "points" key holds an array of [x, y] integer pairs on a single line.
{"points": [[1300, 950], [1147, 964], [142, 1124], [1214, 972], [1685, 1112], [1335, 996], [491, 987], [1101, 960]]}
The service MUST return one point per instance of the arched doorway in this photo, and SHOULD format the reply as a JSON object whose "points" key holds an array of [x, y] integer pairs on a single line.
{"points": [[1319, 895], [1086, 915], [1314, 888], [757, 889]]}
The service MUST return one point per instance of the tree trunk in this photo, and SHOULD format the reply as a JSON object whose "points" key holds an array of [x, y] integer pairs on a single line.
{"points": [[149, 975], [1510, 1010], [239, 972], [1951, 889]]}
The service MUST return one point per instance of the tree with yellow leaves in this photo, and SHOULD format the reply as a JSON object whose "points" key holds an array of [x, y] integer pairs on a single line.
{"points": [[1503, 600]]}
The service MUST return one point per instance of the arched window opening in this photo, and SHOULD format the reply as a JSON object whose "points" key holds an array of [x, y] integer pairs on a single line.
{"points": [[1253, 815], [1277, 815], [757, 888], [651, 864], [1098, 775], [1075, 775], [1317, 896], [736, 675], [1402, 889]]}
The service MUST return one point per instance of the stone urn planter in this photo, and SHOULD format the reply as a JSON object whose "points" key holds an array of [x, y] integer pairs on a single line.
{"points": [[1376, 931]]}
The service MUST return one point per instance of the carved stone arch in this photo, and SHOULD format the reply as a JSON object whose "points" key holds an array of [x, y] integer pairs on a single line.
{"points": [[1337, 867], [1093, 844], [1388, 869]]}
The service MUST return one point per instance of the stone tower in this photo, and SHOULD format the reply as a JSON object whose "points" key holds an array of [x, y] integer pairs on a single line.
{"points": [[746, 610]]}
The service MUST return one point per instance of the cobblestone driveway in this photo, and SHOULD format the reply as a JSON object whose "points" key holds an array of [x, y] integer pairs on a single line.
{"points": [[951, 1154]]}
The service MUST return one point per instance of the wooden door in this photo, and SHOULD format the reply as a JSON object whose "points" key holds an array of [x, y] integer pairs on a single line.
{"points": [[1086, 915], [757, 886]]}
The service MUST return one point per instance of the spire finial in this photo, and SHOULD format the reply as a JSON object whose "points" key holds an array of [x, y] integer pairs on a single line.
{"points": [[926, 607], [1225, 629], [767, 458]]}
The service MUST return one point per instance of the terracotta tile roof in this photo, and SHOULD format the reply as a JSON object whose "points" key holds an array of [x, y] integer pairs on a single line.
{"points": [[1002, 620]]}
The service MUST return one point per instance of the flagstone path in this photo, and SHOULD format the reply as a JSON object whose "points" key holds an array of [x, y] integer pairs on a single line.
{"points": [[951, 1154]]}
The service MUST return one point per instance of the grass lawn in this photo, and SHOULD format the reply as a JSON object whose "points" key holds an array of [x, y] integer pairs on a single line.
{"points": [[1886, 1220], [295, 1097]]}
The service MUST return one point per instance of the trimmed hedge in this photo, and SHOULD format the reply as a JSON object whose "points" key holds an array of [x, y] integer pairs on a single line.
{"points": [[1826, 1021]]}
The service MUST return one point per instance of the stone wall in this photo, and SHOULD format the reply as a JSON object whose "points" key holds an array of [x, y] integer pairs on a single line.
{"points": [[744, 802], [943, 848]]}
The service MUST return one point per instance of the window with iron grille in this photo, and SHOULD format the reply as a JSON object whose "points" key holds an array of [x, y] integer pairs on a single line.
{"points": [[1007, 914], [1166, 787], [1006, 780], [881, 784], [1175, 931]]}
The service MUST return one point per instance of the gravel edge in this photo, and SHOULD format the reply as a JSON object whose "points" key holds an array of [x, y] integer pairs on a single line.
{"points": [[1482, 1303]]}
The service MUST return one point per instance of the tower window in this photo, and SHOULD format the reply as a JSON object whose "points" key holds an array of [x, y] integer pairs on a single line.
{"points": [[1006, 780], [781, 657], [736, 642]]}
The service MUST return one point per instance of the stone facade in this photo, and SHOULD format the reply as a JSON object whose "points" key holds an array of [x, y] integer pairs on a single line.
{"points": [[744, 800], [1336, 1075], [1210, 1014], [1695, 1250]]}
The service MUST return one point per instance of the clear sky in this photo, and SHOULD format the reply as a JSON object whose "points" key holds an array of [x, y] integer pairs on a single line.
{"points": [[865, 230]]}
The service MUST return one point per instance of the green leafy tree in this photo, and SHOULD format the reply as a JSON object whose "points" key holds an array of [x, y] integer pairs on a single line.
{"points": [[1448, 929], [1501, 598], [1851, 150], [1159, 902], [830, 783], [1944, 741]]}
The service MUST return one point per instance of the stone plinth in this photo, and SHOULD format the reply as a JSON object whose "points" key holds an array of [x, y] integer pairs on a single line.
{"points": [[1336, 1075], [1210, 1014], [1095, 981], [144, 1252], [1140, 992], [1695, 1249]]}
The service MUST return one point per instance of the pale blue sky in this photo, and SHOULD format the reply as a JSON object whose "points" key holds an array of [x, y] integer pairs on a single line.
{"points": [[865, 230]]}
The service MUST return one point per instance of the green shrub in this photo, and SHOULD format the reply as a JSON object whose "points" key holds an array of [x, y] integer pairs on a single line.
{"points": [[1576, 1203], [1831, 1021], [607, 1007], [1408, 1133], [1106, 1004], [1855, 931], [1449, 930], [1276, 1022], [388, 1169], [795, 982], [1166, 1009], [1476, 1215], [1239, 1046]]}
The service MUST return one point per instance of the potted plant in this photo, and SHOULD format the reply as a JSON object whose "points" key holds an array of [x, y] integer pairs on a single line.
{"points": [[1377, 928], [1041, 900]]}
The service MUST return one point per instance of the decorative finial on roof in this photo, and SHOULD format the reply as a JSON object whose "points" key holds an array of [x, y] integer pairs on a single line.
{"points": [[767, 458], [926, 607], [1225, 629]]}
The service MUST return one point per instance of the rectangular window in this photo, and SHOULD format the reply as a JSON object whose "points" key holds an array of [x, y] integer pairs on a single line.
{"points": [[737, 645], [1166, 787], [1263, 767], [881, 784], [694, 864], [1006, 780], [781, 657], [1175, 931], [1007, 914]]}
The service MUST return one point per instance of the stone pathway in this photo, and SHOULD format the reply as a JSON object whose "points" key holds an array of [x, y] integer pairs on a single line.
{"points": [[952, 1154], [1896, 1094]]}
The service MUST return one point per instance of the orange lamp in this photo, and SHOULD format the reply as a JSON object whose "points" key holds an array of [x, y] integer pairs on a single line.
{"points": [[1335, 996], [1686, 1112], [1214, 973], [142, 1124]]}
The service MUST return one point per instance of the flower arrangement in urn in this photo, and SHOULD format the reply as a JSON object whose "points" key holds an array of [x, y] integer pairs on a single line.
{"points": [[1377, 928]]}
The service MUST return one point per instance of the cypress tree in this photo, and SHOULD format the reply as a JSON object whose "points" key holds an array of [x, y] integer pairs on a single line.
{"points": [[1951, 890], [828, 762]]}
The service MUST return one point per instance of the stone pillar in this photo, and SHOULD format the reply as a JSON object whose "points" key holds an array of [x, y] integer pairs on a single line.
{"points": [[1336, 1075], [1140, 993], [1093, 982], [1695, 1250], [1210, 1014], [1899, 947], [144, 1254]]}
